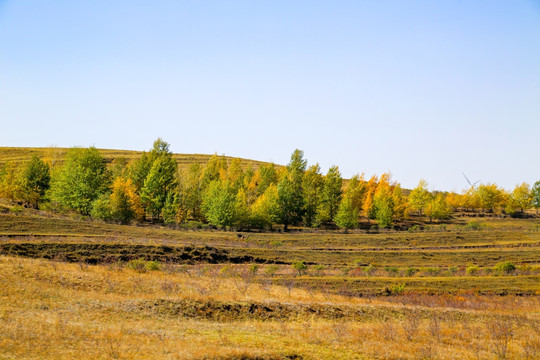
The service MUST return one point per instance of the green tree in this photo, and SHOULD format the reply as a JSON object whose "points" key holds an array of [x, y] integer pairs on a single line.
{"points": [[347, 214], [161, 181], [491, 197], [10, 181], [81, 179], [312, 184], [268, 176], [291, 199], [219, 204], [138, 170], [356, 191], [330, 196], [383, 205], [419, 197], [536, 196]]}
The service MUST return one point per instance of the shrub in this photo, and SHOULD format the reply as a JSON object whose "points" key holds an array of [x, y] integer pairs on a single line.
{"points": [[410, 271], [271, 270], [472, 270], [397, 289], [319, 270], [370, 269], [506, 267], [474, 225], [299, 266], [254, 268], [391, 270], [153, 265], [138, 265]]}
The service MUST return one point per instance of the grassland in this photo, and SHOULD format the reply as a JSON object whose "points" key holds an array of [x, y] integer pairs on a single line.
{"points": [[56, 156], [74, 288]]}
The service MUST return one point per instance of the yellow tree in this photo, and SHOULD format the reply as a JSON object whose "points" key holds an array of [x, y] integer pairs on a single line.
{"points": [[521, 198], [125, 202], [371, 188]]}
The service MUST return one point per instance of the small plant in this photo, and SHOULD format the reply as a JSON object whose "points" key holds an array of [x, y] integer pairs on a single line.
{"points": [[318, 270], [254, 268], [506, 267], [153, 265], [271, 270], [392, 270], [138, 265], [414, 228], [397, 289], [472, 270], [452, 270], [299, 266], [410, 272], [370, 269], [474, 225], [432, 271]]}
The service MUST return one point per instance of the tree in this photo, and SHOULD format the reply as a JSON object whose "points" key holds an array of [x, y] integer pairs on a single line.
{"points": [[291, 199], [35, 182], [125, 202], [419, 197], [521, 197], [192, 192], [265, 210], [384, 207], [138, 170], [10, 181], [219, 204], [536, 196], [438, 208], [491, 197], [356, 191], [311, 186], [330, 196], [161, 181], [268, 176], [81, 179], [347, 215]]}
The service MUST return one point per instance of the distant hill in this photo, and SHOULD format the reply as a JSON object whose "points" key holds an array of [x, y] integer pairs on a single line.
{"points": [[57, 155]]}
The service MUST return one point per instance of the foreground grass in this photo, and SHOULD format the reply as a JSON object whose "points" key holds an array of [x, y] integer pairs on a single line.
{"points": [[51, 310]]}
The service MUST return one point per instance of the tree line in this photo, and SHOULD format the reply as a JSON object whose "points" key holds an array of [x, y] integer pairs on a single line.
{"points": [[228, 195]]}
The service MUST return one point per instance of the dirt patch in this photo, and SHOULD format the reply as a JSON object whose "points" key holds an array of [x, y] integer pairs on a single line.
{"points": [[92, 253]]}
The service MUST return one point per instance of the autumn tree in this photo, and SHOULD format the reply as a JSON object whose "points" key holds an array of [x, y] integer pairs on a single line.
{"points": [[265, 210], [125, 202], [491, 197], [10, 181], [520, 199], [192, 192], [356, 191], [438, 208], [35, 181], [81, 179]]}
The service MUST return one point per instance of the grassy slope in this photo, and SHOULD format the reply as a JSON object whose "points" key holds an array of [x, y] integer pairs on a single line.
{"points": [[56, 155], [51, 310]]}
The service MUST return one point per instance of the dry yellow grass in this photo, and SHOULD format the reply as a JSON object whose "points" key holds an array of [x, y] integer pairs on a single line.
{"points": [[51, 310]]}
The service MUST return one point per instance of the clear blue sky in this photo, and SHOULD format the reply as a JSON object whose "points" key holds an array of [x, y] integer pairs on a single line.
{"points": [[423, 89]]}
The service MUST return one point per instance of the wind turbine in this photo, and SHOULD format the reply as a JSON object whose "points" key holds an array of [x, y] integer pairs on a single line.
{"points": [[472, 184]]}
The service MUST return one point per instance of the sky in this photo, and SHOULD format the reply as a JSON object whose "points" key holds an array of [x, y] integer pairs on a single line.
{"points": [[421, 89]]}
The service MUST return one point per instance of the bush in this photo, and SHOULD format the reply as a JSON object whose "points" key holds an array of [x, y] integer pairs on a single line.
{"points": [[370, 269], [299, 266], [153, 265], [474, 225], [271, 270], [138, 265], [319, 270], [505, 267], [472, 270], [392, 270], [410, 271]]}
